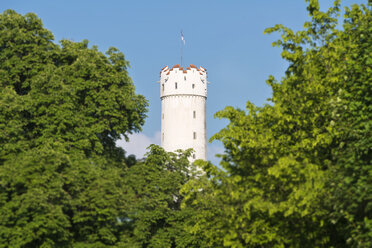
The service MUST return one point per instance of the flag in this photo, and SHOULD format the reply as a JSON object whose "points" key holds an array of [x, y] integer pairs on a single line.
{"points": [[182, 38]]}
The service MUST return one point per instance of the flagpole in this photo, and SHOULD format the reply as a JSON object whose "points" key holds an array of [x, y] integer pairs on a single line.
{"points": [[181, 46]]}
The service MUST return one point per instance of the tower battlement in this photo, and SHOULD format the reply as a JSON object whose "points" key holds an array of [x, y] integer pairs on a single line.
{"points": [[183, 81]]}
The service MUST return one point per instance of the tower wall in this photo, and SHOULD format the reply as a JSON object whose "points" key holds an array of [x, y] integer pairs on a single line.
{"points": [[183, 98]]}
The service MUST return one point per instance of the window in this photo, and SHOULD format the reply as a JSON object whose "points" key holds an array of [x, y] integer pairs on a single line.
{"points": [[194, 114], [184, 78], [162, 137], [193, 156], [193, 86], [194, 135], [162, 87], [163, 116], [175, 85]]}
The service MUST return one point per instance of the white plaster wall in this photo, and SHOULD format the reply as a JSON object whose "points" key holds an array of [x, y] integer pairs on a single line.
{"points": [[178, 122]]}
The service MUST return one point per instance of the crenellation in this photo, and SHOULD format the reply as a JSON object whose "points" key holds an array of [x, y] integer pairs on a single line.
{"points": [[188, 82]]}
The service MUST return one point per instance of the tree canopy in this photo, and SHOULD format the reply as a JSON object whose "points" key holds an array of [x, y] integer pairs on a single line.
{"points": [[297, 172], [63, 180], [70, 94], [62, 108]]}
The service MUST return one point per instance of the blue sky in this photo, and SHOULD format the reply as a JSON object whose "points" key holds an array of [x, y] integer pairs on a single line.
{"points": [[226, 37]]}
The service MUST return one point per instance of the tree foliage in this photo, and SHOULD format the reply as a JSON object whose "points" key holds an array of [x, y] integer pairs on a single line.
{"points": [[63, 181], [154, 217], [71, 93], [62, 108], [297, 172]]}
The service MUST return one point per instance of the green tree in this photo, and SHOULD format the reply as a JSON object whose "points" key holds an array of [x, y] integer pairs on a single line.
{"points": [[62, 108], [297, 172], [154, 217]]}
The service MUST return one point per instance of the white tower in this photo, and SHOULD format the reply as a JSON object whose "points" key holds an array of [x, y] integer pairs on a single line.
{"points": [[183, 94]]}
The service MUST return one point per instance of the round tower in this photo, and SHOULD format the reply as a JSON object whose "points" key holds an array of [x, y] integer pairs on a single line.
{"points": [[183, 94]]}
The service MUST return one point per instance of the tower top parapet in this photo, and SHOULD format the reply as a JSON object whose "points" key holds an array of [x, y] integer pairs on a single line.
{"points": [[177, 68], [183, 81]]}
